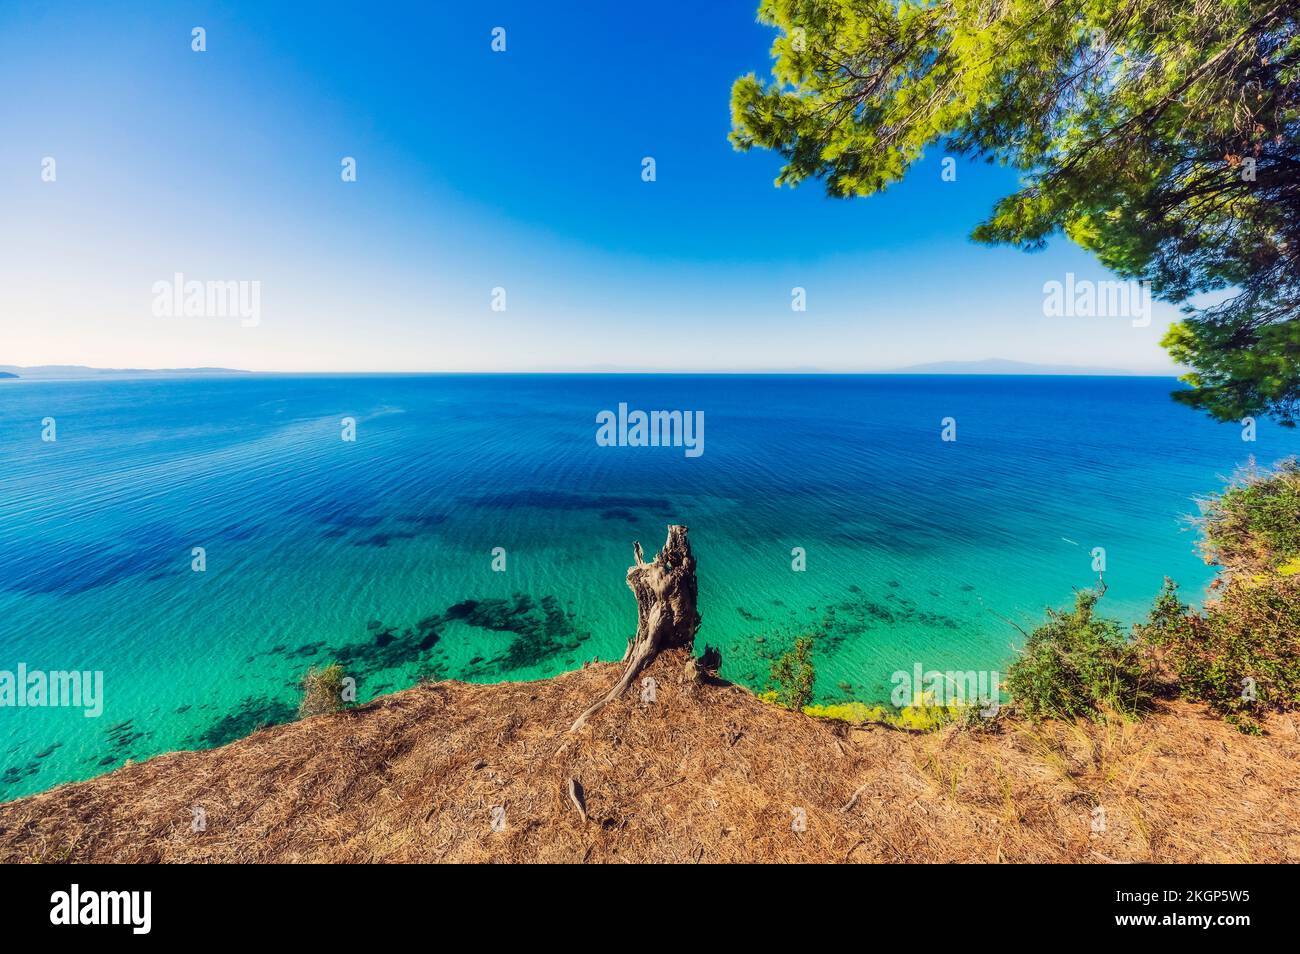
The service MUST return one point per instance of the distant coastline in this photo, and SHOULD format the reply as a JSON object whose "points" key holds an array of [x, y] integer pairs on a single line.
{"points": [[1004, 366], [987, 366], [71, 371]]}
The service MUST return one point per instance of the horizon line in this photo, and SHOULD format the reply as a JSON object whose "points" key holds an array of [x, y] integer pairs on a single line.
{"points": [[705, 372], [1027, 370]]}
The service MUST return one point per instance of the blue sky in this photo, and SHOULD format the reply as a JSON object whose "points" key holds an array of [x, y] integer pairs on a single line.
{"points": [[475, 170]]}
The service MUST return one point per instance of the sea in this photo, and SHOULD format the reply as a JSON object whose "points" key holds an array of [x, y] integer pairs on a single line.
{"points": [[202, 541]]}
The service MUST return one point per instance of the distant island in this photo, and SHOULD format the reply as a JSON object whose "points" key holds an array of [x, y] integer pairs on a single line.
{"points": [[1002, 366], [59, 371]]}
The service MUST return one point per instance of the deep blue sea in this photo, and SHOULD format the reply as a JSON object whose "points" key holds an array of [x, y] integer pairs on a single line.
{"points": [[379, 552]]}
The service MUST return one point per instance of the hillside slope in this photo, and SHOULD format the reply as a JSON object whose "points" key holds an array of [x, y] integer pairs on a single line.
{"points": [[703, 774]]}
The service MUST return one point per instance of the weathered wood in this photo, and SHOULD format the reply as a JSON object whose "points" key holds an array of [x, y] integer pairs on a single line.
{"points": [[666, 592]]}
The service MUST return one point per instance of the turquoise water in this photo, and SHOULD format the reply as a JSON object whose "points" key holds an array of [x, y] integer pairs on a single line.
{"points": [[379, 552]]}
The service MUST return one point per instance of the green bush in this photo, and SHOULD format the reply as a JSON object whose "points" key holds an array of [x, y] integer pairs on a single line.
{"points": [[1078, 664], [1241, 656], [1241, 653], [793, 675], [322, 691], [1254, 525]]}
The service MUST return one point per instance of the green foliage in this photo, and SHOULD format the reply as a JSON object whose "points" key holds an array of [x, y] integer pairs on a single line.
{"points": [[1254, 525], [1243, 366], [1159, 135], [1241, 654], [793, 675], [322, 691], [1078, 664]]}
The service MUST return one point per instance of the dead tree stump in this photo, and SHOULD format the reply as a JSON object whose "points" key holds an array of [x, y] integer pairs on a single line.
{"points": [[666, 591]]}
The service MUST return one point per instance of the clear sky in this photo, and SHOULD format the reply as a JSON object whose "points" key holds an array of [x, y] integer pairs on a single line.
{"points": [[475, 170]]}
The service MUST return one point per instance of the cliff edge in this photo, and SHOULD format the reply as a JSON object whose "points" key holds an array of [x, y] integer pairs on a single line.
{"points": [[706, 772]]}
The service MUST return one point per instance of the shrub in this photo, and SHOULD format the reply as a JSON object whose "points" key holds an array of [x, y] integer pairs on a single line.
{"points": [[1242, 655], [1079, 664], [322, 691], [793, 675], [1254, 525]]}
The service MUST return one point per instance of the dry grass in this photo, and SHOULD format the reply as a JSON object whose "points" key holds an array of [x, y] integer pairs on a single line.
{"points": [[706, 774]]}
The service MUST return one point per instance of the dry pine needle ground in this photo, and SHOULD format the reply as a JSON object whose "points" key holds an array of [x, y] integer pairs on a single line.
{"points": [[458, 772]]}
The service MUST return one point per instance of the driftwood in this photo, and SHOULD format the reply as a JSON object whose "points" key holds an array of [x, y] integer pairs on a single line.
{"points": [[666, 591]]}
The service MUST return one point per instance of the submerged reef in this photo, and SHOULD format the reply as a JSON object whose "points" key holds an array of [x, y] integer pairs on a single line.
{"points": [[543, 632], [252, 714]]}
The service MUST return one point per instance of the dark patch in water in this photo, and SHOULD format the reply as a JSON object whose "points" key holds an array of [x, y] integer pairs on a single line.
{"points": [[15, 774], [239, 531], [124, 735], [385, 647], [341, 514], [542, 629], [383, 538], [558, 500], [79, 567], [853, 618], [253, 714], [425, 521]]}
